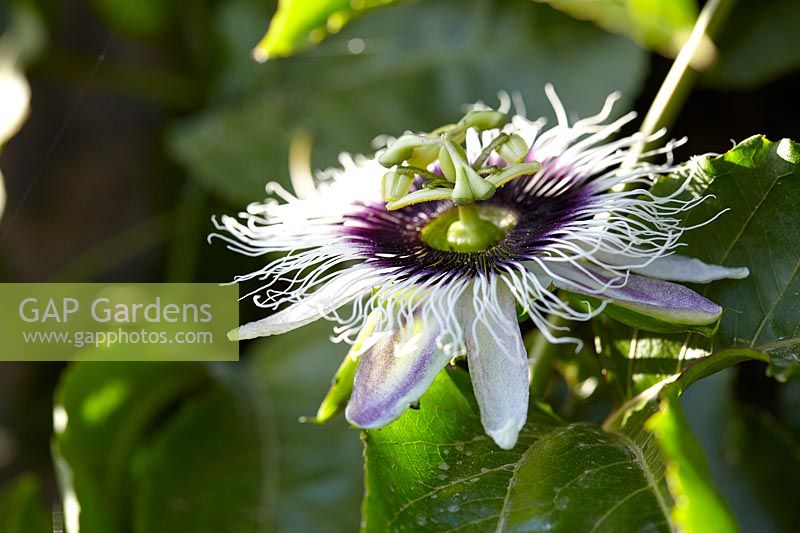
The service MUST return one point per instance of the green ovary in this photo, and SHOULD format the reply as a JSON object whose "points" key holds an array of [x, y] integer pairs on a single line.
{"points": [[468, 229]]}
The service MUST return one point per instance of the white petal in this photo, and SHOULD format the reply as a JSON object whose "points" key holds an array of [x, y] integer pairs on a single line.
{"points": [[326, 299], [498, 362]]}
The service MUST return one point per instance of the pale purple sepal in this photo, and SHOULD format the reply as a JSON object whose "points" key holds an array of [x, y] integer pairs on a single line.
{"points": [[498, 365], [659, 299], [393, 374]]}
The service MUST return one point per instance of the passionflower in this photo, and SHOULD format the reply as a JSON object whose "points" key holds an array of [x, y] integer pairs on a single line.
{"points": [[441, 250]]}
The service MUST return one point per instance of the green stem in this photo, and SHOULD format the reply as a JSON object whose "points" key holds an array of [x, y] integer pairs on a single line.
{"points": [[681, 77], [468, 214]]}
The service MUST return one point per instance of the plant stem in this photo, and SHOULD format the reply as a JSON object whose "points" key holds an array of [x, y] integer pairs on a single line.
{"points": [[468, 214], [681, 77]]}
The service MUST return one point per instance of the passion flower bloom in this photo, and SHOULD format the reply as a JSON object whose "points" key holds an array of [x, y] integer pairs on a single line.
{"points": [[430, 280]]}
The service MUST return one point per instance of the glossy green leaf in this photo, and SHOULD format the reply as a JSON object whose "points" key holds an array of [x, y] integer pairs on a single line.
{"points": [[659, 25], [759, 182], [434, 469], [102, 413], [300, 23], [412, 75], [22, 508], [759, 43]]}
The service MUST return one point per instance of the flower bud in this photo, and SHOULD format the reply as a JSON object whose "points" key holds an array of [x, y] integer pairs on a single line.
{"points": [[394, 186], [483, 120], [514, 150]]}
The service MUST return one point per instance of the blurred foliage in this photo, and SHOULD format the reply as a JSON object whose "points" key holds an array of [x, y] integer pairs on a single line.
{"points": [[659, 25], [758, 44], [687, 474], [182, 437], [22, 509], [143, 17], [410, 75], [752, 451]]}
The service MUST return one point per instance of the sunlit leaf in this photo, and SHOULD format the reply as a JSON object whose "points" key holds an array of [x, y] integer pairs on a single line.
{"points": [[759, 182], [300, 23], [659, 25], [653, 420], [635, 360], [697, 504]]}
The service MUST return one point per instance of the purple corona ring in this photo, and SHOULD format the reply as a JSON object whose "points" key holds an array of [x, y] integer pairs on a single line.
{"points": [[411, 288]]}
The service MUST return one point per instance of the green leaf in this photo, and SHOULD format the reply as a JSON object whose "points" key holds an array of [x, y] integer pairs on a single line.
{"points": [[759, 44], [753, 453], [412, 75], [655, 24], [759, 182], [22, 509], [697, 504], [299, 23], [435, 469], [164, 447], [102, 413]]}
